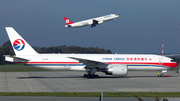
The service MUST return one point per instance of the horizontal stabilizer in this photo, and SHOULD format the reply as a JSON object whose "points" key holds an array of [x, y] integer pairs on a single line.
{"points": [[15, 59]]}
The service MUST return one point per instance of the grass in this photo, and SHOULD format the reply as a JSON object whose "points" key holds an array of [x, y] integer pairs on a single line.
{"points": [[94, 94], [19, 68], [176, 68]]}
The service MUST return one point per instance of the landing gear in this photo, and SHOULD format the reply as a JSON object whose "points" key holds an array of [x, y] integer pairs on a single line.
{"points": [[85, 75], [91, 73], [91, 76], [93, 25]]}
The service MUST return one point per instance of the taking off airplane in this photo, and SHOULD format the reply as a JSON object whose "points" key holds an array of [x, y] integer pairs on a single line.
{"points": [[110, 64], [93, 22]]}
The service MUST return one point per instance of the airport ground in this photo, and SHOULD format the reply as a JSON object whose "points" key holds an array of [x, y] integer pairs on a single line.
{"points": [[72, 81]]}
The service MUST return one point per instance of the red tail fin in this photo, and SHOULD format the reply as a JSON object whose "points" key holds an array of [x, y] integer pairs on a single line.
{"points": [[68, 21]]}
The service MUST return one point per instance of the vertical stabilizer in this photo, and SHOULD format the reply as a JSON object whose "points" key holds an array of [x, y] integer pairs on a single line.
{"points": [[20, 46], [67, 21]]}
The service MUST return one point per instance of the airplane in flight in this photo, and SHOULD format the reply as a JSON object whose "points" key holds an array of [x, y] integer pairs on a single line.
{"points": [[93, 22], [110, 64]]}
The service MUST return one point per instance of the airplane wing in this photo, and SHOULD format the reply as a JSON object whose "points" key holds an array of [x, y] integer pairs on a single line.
{"points": [[91, 63]]}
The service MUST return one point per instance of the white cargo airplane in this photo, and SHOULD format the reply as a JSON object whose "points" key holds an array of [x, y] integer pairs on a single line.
{"points": [[93, 22], [110, 64]]}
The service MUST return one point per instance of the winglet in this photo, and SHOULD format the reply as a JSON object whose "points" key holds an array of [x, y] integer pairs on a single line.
{"points": [[67, 21]]}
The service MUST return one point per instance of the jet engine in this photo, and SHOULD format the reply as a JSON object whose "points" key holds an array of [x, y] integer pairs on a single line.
{"points": [[95, 22], [100, 22], [118, 70]]}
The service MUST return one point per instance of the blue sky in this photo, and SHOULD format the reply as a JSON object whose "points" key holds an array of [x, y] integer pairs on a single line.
{"points": [[141, 27]]}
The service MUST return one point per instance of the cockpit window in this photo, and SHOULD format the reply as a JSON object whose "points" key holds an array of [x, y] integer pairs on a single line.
{"points": [[173, 61]]}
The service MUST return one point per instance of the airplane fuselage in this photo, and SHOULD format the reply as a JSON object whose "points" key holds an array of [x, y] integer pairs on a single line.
{"points": [[65, 61]]}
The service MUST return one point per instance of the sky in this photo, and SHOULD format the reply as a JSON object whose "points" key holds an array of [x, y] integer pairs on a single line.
{"points": [[141, 27]]}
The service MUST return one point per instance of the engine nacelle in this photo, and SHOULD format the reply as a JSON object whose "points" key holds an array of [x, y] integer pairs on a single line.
{"points": [[119, 70], [100, 22]]}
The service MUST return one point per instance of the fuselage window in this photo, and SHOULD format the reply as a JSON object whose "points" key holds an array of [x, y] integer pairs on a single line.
{"points": [[173, 61]]}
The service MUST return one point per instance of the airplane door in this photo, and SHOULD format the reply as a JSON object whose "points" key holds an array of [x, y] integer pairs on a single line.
{"points": [[160, 61]]}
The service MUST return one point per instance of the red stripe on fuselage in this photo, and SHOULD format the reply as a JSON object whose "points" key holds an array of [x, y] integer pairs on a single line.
{"points": [[50, 62], [167, 64]]}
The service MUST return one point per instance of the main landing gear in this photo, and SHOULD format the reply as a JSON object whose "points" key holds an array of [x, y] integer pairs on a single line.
{"points": [[91, 76]]}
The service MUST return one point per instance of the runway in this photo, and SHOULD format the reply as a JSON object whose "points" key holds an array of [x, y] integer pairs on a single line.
{"points": [[72, 81]]}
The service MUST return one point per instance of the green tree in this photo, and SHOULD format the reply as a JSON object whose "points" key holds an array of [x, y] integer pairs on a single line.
{"points": [[7, 49]]}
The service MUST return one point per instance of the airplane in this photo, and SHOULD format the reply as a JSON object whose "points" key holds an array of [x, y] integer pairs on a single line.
{"points": [[110, 64], [93, 22]]}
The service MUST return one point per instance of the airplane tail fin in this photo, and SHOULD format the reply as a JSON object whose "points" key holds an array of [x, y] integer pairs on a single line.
{"points": [[68, 21], [20, 46]]}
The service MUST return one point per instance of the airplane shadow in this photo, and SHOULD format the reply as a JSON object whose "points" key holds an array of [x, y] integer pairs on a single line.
{"points": [[100, 77], [149, 77], [41, 77]]}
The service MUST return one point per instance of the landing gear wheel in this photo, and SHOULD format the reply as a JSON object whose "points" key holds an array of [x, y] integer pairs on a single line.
{"points": [[85, 75], [93, 76], [90, 76], [96, 76]]}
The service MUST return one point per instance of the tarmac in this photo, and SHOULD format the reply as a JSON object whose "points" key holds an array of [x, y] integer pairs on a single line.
{"points": [[73, 81]]}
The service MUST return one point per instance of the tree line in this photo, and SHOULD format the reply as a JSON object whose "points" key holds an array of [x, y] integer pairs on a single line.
{"points": [[6, 49]]}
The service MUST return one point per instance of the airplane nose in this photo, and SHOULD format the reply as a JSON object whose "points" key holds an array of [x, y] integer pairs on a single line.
{"points": [[174, 64]]}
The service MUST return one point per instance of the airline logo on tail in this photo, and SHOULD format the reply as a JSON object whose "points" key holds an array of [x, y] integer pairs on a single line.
{"points": [[19, 44], [68, 21]]}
